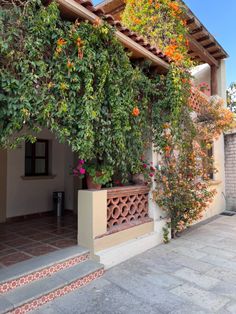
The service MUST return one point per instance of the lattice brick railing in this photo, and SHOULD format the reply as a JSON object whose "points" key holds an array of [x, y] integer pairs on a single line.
{"points": [[127, 206], [198, 100]]}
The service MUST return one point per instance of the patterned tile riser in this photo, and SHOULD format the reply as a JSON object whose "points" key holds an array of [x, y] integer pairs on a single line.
{"points": [[57, 293], [45, 272]]}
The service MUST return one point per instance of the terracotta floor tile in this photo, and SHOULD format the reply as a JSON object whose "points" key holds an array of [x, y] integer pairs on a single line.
{"points": [[37, 236], [19, 242], [7, 236], [13, 258], [26, 232], [62, 243], [41, 235], [40, 250], [7, 252], [2, 247]]}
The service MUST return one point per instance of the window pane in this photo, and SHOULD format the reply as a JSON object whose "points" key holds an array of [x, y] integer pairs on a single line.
{"points": [[40, 149], [40, 166], [28, 149], [28, 166]]}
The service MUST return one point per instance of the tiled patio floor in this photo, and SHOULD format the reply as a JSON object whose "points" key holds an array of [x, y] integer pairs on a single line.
{"points": [[23, 240], [194, 274]]}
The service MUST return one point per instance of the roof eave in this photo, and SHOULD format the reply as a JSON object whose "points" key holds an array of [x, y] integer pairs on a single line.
{"points": [[73, 9]]}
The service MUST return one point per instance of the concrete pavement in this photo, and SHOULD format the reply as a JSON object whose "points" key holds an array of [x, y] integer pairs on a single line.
{"points": [[195, 273]]}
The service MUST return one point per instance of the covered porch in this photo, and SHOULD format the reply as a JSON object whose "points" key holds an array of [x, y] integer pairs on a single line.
{"points": [[23, 239]]}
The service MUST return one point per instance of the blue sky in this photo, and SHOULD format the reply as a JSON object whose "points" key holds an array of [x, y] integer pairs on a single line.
{"points": [[219, 18]]}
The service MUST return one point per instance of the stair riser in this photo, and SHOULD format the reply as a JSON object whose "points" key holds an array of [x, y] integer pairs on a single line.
{"points": [[42, 273], [34, 304]]}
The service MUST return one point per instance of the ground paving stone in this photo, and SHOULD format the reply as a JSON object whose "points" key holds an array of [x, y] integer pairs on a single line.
{"points": [[231, 307], [222, 274], [167, 279], [203, 298], [218, 252], [187, 251], [197, 278]]}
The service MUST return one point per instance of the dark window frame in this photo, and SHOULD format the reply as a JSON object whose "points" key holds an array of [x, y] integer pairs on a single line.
{"points": [[210, 153], [33, 157]]}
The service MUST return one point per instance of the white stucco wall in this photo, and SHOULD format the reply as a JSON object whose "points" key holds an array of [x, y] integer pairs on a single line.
{"points": [[219, 203], [33, 196], [201, 73]]}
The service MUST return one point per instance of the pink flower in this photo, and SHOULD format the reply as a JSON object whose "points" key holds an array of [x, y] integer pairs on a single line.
{"points": [[151, 174], [144, 166], [81, 162], [153, 169], [82, 171]]}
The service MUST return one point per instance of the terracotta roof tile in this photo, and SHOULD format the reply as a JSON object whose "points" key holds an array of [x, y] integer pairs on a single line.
{"points": [[117, 24]]}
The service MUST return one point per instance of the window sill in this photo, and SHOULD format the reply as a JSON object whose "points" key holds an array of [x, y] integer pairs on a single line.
{"points": [[49, 177], [215, 182]]}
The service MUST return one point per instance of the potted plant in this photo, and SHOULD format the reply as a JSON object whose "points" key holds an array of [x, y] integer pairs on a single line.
{"points": [[96, 174], [143, 173]]}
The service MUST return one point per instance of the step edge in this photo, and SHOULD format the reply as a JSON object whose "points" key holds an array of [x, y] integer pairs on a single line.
{"points": [[42, 273], [98, 268], [41, 267]]}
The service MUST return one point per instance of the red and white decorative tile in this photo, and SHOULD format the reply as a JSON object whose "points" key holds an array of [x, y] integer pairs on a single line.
{"points": [[45, 272], [57, 293]]}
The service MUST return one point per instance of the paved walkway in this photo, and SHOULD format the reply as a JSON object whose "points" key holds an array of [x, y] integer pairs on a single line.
{"points": [[193, 274]]}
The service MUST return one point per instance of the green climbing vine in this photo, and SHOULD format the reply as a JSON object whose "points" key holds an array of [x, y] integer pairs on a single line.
{"points": [[74, 79], [183, 173]]}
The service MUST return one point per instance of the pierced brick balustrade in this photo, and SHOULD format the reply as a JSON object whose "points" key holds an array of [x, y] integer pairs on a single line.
{"points": [[197, 100], [127, 207]]}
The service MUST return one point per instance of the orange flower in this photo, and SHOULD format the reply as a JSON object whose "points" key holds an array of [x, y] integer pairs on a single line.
{"points": [[97, 22], [79, 42], [165, 125], [175, 7], [177, 57], [170, 50], [61, 42], [69, 64], [136, 112]]}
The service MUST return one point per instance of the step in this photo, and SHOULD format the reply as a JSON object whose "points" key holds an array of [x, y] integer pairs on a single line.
{"points": [[31, 296], [40, 267]]}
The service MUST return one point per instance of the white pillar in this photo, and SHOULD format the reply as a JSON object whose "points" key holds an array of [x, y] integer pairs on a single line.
{"points": [[155, 211]]}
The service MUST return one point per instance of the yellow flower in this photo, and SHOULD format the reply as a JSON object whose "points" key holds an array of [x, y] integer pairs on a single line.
{"points": [[64, 86]]}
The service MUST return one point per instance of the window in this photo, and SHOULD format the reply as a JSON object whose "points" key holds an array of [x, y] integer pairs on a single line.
{"points": [[36, 158], [208, 166], [210, 155]]}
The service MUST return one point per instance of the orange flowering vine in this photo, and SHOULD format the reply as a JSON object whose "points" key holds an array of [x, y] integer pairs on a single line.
{"points": [[182, 188], [136, 112]]}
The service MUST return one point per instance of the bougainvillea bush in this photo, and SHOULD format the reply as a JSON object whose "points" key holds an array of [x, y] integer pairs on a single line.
{"points": [[76, 80], [182, 187]]}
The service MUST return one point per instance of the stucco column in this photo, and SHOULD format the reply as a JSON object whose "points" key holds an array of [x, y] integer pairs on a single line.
{"points": [[3, 184], [219, 203], [221, 80], [154, 210], [214, 80], [92, 216]]}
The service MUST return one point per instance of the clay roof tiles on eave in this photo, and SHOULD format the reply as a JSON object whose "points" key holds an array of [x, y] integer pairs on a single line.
{"points": [[117, 24]]}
